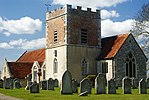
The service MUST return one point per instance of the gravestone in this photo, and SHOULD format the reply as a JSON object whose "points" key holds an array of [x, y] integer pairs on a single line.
{"points": [[134, 83], [34, 88], [126, 85], [147, 82], [1, 83], [111, 86], [44, 85], [100, 84], [9, 83], [55, 83], [17, 84], [74, 86], [66, 87], [28, 80], [85, 85], [142, 87], [50, 84]]}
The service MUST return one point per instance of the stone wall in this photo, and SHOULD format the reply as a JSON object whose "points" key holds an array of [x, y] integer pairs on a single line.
{"points": [[130, 45]]}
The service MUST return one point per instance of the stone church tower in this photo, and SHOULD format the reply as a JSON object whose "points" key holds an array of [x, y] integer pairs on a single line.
{"points": [[73, 42]]}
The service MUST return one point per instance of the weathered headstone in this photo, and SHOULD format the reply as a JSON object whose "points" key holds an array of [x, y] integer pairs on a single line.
{"points": [[55, 83], [85, 85], [100, 84], [50, 84], [74, 86], [9, 83], [28, 80], [142, 87], [111, 86], [134, 83], [34, 88], [17, 83], [126, 85], [147, 82], [66, 87], [44, 85], [1, 83]]}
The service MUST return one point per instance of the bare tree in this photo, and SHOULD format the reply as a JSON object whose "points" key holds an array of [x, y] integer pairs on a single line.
{"points": [[141, 29]]}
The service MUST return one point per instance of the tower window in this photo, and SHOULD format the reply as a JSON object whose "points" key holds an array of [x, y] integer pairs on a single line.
{"points": [[55, 36], [55, 67], [83, 36]]}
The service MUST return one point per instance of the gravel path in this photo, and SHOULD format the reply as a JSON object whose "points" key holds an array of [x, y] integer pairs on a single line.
{"points": [[4, 97]]}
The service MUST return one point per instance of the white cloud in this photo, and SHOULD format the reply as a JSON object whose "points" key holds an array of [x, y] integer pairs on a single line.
{"points": [[5, 45], [108, 14], [109, 28], [90, 3], [24, 25], [24, 44]]}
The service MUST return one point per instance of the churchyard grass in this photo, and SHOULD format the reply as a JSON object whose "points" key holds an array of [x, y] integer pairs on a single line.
{"points": [[55, 95]]}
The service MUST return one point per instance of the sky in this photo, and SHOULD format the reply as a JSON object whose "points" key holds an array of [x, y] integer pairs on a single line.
{"points": [[22, 22]]}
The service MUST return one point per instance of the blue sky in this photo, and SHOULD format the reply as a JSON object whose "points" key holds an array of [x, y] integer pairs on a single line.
{"points": [[22, 22]]}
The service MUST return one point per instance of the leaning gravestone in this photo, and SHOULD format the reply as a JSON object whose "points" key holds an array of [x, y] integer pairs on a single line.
{"points": [[85, 85], [17, 84], [134, 83], [34, 88], [100, 84], [9, 83], [28, 80], [126, 85], [147, 82], [55, 83], [74, 86], [50, 84], [142, 87], [111, 86], [1, 83], [44, 85], [66, 87]]}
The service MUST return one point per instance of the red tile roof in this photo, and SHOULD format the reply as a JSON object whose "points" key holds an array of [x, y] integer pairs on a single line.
{"points": [[19, 69], [111, 45], [31, 56]]}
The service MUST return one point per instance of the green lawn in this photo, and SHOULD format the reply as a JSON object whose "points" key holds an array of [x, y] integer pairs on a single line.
{"points": [[55, 95]]}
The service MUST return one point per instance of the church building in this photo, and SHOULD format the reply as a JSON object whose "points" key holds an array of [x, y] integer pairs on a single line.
{"points": [[74, 43]]}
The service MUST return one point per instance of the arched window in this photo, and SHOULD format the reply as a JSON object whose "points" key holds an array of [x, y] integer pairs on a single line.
{"points": [[44, 72], [130, 65], [84, 67], [55, 66], [35, 73]]}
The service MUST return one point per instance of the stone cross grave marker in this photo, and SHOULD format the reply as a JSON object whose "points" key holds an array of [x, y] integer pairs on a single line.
{"points": [[100, 84], [66, 87]]}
